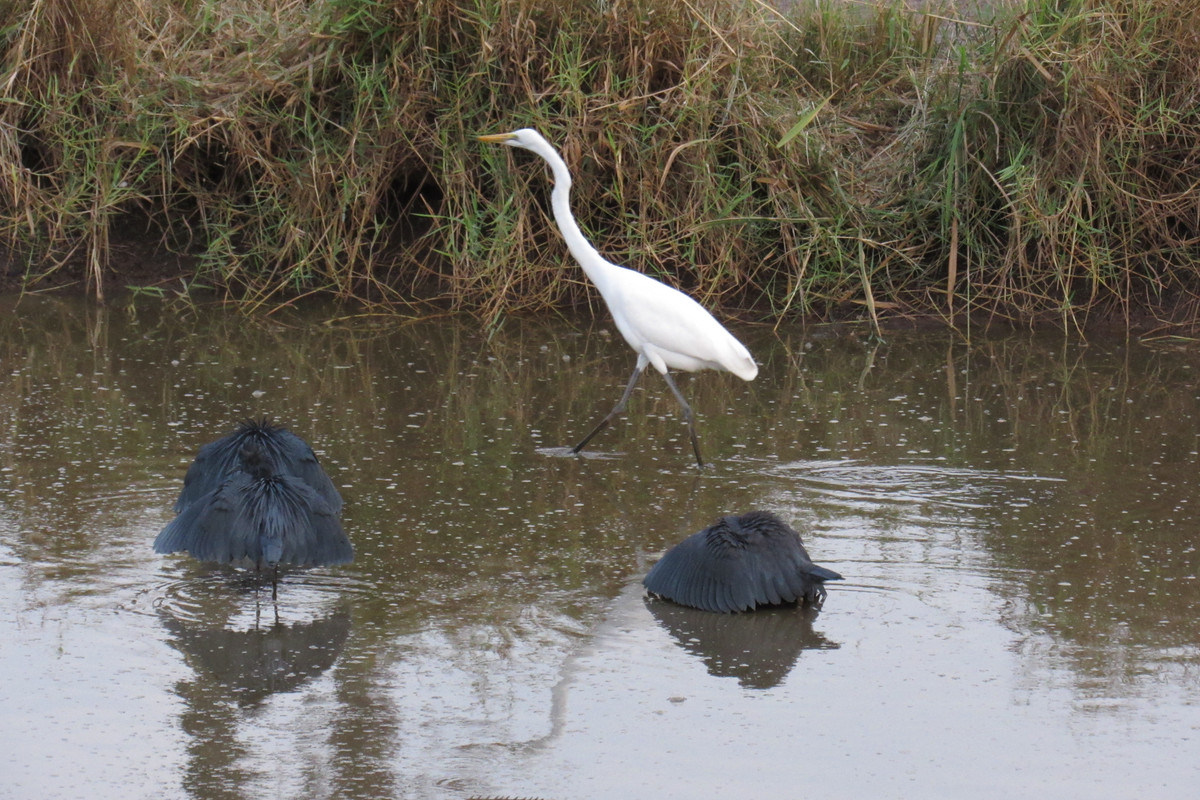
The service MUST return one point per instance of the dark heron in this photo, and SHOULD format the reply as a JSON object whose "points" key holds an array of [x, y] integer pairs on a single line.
{"points": [[738, 564], [258, 497]]}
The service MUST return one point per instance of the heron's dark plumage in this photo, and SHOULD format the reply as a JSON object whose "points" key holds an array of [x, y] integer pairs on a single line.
{"points": [[258, 496], [740, 563]]}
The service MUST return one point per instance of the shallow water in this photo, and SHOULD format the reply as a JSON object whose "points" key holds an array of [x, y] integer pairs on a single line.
{"points": [[1016, 518]]}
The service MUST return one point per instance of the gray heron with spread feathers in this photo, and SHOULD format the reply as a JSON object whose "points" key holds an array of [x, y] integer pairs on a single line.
{"points": [[258, 497], [738, 564]]}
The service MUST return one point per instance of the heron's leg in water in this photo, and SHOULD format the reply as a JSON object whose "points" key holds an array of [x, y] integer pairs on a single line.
{"points": [[687, 414], [617, 409]]}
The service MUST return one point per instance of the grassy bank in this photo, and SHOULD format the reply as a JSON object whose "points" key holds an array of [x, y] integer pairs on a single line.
{"points": [[830, 160]]}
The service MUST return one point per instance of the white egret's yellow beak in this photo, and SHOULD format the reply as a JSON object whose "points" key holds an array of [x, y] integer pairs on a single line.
{"points": [[496, 138]]}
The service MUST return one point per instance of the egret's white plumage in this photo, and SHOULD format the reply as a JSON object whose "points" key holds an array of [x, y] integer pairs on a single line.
{"points": [[667, 329]]}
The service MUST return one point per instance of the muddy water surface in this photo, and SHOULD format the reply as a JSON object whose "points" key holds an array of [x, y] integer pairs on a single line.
{"points": [[1016, 517]]}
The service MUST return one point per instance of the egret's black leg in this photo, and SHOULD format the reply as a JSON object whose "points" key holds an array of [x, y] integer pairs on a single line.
{"points": [[275, 582], [617, 409], [687, 414]]}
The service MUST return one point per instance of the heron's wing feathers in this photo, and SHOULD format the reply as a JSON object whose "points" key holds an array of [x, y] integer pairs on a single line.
{"points": [[684, 576], [703, 573], [294, 523], [297, 458], [315, 535], [786, 573], [215, 527], [212, 466], [279, 520], [732, 566], [258, 495], [287, 453]]}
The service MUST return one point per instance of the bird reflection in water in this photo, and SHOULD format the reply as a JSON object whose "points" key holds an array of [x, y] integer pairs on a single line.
{"points": [[233, 672], [249, 665], [758, 649]]}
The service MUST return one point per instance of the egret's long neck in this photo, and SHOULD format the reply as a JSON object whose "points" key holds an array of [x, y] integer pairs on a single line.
{"points": [[560, 200]]}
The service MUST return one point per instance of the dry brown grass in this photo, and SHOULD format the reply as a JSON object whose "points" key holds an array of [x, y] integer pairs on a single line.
{"points": [[835, 160]]}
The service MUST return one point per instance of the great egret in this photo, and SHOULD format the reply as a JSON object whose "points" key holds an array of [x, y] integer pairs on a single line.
{"points": [[666, 328], [738, 564], [258, 497]]}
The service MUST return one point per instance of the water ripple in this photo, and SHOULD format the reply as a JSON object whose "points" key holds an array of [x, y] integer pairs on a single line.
{"points": [[208, 593], [853, 482]]}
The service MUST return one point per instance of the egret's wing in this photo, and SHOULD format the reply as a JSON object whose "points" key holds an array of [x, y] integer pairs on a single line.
{"points": [[647, 311]]}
